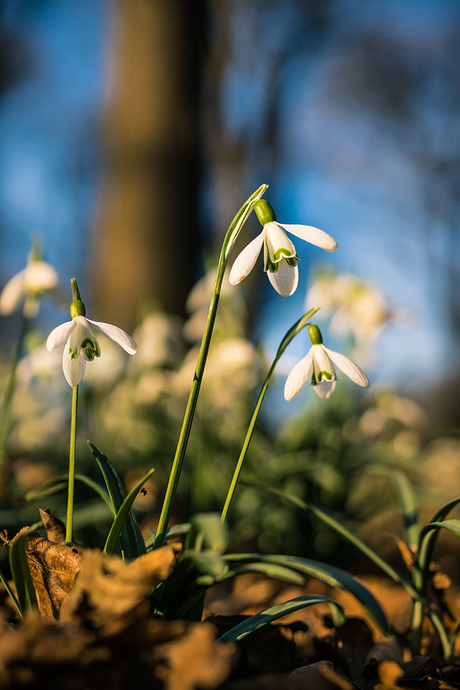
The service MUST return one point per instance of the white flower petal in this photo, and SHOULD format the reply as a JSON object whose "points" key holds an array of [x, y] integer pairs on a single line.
{"points": [[39, 277], [244, 262], [74, 369], [313, 235], [278, 243], [13, 293], [60, 334], [323, 368], [298, 377], [116, 335], [285, 279], [355, 373], [324, 389]]}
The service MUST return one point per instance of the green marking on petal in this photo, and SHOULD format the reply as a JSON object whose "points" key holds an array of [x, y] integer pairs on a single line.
{"points": [[73, 354], [324, 374], [282, 251], [90, 349], [292, 261]]}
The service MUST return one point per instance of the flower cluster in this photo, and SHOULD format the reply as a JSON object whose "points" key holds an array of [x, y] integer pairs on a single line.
{"points": [[280, 264]]}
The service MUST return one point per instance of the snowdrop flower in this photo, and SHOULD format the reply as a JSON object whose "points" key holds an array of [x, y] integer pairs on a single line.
{"points": [[318, 366], [280, 257], [28, 286], [81, 344]]}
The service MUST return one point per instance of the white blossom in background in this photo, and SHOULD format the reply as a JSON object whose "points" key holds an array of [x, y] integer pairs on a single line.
{"points": [[280, 256], [27, 287], [317, 367], [356, 308]]}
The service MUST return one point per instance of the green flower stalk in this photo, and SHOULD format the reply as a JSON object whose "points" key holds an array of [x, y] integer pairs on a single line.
{"points": [[290, 335], [227, 246], [25, 289], [81, 346]]}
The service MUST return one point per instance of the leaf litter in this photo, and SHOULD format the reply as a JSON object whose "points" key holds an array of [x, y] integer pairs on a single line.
{"points": [[94, 630]]}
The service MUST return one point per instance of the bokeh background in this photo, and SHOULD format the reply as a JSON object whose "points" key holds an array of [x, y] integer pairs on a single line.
{"points": [[131, 132]]}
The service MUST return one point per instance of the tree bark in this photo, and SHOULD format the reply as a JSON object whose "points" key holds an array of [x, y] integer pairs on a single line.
{"points": [[146, 239]]}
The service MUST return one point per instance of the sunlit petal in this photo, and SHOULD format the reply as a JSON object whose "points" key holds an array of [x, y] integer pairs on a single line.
{"points": [[352, 370], [298, 377], [60, 334], [285, 279], [116, 335], [313, 235], [278, 243], [12, 293], [324, 389], [323, 369], [74, 369], [244, 262]]}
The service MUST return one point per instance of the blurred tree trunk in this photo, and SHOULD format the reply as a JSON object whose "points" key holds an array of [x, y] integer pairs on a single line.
{"points": [[146, 236]]}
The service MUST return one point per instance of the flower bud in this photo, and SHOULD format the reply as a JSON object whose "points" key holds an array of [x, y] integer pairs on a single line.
{"points": [[264, 212], [315, 334]]}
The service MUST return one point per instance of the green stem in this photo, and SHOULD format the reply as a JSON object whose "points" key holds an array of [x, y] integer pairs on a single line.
{"points": [[9, 392], [73, 441], [247, 441], [227, 246], [290, 335]]}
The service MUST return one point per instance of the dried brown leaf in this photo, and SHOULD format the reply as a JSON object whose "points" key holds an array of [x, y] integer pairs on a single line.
{"points": [[108, 590], [389, 673], [53, 568], [194, 660], [55, 528]]}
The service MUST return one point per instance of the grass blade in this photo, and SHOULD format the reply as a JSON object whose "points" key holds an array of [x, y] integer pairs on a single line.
{"points": [[122, 514], [132, 542], [333, 576], [274, 612], [427, 538], [60, 482], [26, 597]]}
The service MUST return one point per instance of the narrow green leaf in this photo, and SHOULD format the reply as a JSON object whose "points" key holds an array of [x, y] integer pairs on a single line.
{"points": [[59, 483], [132, 542], [122, 514], [26, 597], [274, 570], [451, 525], [210, 531], [427, 538], [386, 567], [10, 592], [274, 612], [336, 577], [408, 503]]}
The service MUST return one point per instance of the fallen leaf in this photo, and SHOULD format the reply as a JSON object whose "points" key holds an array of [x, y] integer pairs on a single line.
{"points": [[53, 568], [389, 673], [109, 590], [194, 660], [55, 528]]}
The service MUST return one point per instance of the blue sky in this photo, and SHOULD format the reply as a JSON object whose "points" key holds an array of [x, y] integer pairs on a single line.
{"points": [[339, 171]]}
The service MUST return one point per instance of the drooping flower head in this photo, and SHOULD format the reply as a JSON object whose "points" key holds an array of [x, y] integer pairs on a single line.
{"points": [[280, 256], [318, 367], [28, 286], [81, 344]]}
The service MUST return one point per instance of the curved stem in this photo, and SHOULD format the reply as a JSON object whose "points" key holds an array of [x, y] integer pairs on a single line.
{"points": [[227, 246], [290, 335], [73, 441], [247, 441]]}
